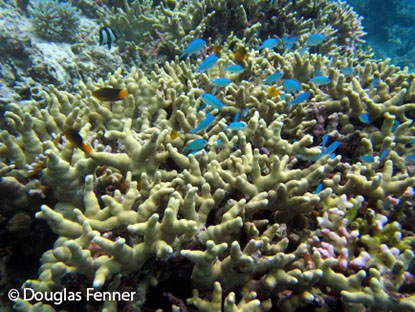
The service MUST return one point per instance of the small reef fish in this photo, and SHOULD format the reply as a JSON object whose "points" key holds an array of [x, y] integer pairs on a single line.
{"points": [[329, 150], [217, 48], [195, 46], [320, 80], [395, 125], [106, 36], [291, 85], [409, 158], [221, 82], [269, 43], [273, 91], [204, 124], [207, 63], [367, 158], [364, 117], [234, 69], [240, 55], [315, 39], [273, 77], [236, 125], [319, 188], [289, 41], [245, 112], [174, 134], [210, 99], [385, 153], [219, 141], [348, 71], [195, 145], [325, 139], [76, 140], [375, 82], [110, 94], [300, 98], [236, 117]]}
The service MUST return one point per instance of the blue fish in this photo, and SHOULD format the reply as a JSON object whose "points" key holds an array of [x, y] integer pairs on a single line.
{"points": [[348, 71], [236, 125], [384, 154], [234, 69], [269, 44], [291, 85], [219, 141], [303, 50], [330, 149], [325, 139], [364, 117], [319, 188], [320, 80], [315, 39], [409, 157], [210, 99], [289, 41], [208, 63], [195, 151], [197, 144], [274, 77], [236, 117], [375, 82], [204, 124], [367, 158], [221, 82], [106, 36], [300, 98], [194, 47], [395, 125], [245, 112]]}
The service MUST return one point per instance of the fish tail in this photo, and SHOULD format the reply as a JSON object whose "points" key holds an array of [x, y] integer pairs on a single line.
{"points": [[123, 93], [86, 148]]}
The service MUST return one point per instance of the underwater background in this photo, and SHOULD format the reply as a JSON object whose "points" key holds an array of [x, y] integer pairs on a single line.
{"points": [[241, 155]]}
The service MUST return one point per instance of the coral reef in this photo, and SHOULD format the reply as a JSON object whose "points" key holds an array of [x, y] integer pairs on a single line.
{"points": [[54, 19], [231, 209], [168, 27], [305, 206]]}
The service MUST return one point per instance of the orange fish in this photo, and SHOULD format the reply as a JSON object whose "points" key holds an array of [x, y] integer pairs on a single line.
{"points": [[217, 48], [76, 140], [173, 134], [273, 91], [240, 55], [110, 94]]}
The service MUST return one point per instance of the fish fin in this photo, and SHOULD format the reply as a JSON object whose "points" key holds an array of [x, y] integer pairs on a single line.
{"points": [[86, 148], [123, 93], [101, 37]]}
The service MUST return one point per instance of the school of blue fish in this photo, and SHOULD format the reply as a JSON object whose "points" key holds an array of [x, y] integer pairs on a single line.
{"points": [[289, 86]]}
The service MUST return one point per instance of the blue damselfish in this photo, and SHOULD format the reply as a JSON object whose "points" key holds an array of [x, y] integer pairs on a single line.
{"points": [[194, 47]]}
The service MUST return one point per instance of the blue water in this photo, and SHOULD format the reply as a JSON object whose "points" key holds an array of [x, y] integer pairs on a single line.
{"points": [[390, 27]]}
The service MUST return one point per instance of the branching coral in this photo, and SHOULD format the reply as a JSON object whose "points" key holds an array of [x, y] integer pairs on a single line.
{"points": [[260, 213]]}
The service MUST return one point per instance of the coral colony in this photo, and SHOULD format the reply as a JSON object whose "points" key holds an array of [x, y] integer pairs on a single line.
{"points": [[230, 170]]}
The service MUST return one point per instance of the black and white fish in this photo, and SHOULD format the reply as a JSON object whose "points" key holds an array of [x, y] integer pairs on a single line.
{"points": [[106, 36]]}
